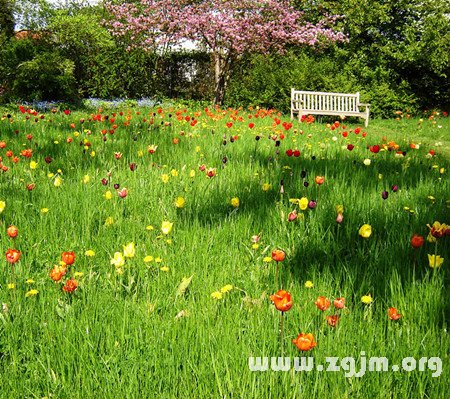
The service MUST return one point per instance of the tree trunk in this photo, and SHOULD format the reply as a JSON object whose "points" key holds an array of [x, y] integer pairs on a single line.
{"points": [[221, 76]]}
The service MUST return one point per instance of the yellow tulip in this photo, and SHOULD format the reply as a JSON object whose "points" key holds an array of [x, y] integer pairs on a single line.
{"points": [[435, 260], [365, 231]]}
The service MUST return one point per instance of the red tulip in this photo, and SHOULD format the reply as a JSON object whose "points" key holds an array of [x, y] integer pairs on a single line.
{"points": [[70, 286], [68, 258], [278, 255], [122, 193], [393, 314], [12, 256], [417, 241], [322, 303]]}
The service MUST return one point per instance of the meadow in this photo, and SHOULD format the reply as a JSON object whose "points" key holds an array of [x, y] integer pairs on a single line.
{"points": [[142, 248]]}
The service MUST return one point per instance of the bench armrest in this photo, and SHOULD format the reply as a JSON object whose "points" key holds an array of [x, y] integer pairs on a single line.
{"points": [[363, 105]]}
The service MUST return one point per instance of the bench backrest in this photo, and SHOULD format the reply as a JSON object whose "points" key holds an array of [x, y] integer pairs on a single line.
{"points": [[320, 101]]}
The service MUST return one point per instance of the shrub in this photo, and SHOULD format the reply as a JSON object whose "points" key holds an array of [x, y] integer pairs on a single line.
{"points": [[47, 76]]}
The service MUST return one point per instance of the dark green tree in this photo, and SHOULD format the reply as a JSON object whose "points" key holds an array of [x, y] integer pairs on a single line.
{"points": [[7, 17]]}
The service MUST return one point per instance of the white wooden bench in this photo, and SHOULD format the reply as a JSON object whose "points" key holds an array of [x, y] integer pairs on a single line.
{"points": [[319, 103]]}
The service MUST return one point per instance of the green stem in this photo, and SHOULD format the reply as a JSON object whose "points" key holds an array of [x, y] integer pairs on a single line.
{"points": [[282, 333]]}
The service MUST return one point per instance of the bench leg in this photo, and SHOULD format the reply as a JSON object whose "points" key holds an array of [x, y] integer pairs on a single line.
{"points": [[300, 114]]}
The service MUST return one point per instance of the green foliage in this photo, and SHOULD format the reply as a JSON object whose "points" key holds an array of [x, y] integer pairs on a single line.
{"points": [[6, 18], [397, 57], [267, 82], [48, 76]]}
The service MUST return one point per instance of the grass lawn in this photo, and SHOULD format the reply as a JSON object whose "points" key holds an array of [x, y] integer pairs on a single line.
{"points": [[173, 214]]}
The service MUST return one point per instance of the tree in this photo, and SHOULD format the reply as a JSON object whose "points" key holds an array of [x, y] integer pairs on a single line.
{"points": [[228, 29], [7, 17], [398, 43]]}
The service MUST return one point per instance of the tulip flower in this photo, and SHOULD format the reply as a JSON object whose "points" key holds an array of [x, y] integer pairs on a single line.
{"points": [[365, 231], [211, 172], [292, 216], [278, 255], [166, 227], [435, 260], [322, 303], [57, 273], [129, 250], [437, 230], [12, 231], [332, 320], [122, 193], [282, 300], [319, 180], [70, 285], [180, 202], [118, 260], [303, 203], [312, 204], [304, 342], [417, 241], [339, 303], [393, 314], [12, 256], [152, 149], [68, 258]]}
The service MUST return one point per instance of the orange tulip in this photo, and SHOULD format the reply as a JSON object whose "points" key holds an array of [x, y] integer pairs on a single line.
{"points": [[57, 273], [278, 255], [339, 303], [417, 241], [282, 300], [12, 231], [12, 255], [68, 258], [322, 303], [393, 314], [304, 342], [71, 285], [319, 180], [332, 320]]}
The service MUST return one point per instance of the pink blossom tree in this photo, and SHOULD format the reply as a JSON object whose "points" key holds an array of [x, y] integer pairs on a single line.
{"points": [[228, 29]]}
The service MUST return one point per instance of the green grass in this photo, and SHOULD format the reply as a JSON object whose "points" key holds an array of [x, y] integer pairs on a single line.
{"points": [[128, 333]]}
